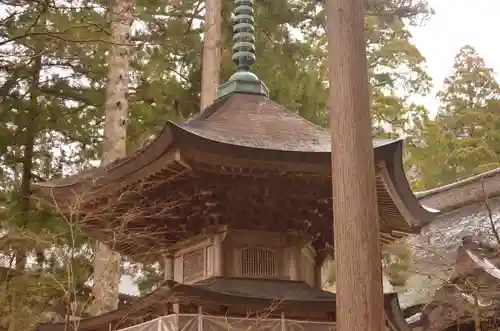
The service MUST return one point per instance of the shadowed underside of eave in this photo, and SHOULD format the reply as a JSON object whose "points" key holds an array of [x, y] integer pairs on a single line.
{"points": [[186, 198], [182, 162]]}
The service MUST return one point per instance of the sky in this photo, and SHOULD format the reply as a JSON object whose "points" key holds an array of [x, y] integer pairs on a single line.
{"points": [[455, 24]]}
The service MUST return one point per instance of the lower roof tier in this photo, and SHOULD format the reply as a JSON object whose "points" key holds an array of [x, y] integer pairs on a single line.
{"points": [[230, 297]]}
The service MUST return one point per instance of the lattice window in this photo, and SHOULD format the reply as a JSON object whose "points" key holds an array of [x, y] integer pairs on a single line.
{"points": [[258, 262], [193, 265]]}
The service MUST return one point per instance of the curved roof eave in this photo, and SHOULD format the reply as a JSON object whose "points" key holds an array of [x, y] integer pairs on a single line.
{"points": [[420, 214], [129, 164], [320, 156], [171, 290], [395, 313], [181, 135], [389, 151]]}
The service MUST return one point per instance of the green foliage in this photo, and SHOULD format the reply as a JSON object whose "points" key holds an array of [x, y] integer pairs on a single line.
{"points": [[397, 261], [146, 276], [165, 84], [463, 140]]}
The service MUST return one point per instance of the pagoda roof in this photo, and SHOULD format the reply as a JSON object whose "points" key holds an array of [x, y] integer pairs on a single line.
{"points": [[464, 209], [243, 125], [253, 294], [243, 146]]}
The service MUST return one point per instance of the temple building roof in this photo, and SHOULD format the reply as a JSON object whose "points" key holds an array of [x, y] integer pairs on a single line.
{"points": [[463, 212], [239, 125], [465, 209], [291, 297], [472, 288], [472, 190]]}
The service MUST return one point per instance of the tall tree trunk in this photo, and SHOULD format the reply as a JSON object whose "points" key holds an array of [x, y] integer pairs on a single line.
{"points": [[356, 229], [211, 58], [18, 319], [106, 262]]}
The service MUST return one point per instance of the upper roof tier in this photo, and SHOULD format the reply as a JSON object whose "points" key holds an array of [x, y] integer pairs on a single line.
{"points": [[242, 125], [242, 147]]}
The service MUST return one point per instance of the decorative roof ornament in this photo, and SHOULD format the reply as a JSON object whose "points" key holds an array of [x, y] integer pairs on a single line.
{"points": [[243, 53]]}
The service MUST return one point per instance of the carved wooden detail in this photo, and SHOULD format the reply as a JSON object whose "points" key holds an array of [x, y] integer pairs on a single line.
{"points": [[215, 197], [258, 262], [193, 265]]}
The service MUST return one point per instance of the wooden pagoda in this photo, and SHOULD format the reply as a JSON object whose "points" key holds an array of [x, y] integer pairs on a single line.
{"points": [[237, 202]]}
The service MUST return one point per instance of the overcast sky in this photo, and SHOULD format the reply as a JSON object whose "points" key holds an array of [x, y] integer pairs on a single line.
{"points": [[458, 23]]}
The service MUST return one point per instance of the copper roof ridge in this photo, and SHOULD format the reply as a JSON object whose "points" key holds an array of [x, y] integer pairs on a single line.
{"points": [[459, 183], [464, 192], [207, 112]]}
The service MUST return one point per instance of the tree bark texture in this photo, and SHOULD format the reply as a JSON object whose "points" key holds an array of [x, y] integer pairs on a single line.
{"points": [[356, 227], [106, 262], [210, 76]]}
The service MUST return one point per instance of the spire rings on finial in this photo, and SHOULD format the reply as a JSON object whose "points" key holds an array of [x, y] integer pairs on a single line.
{"points": [[243, 38]]}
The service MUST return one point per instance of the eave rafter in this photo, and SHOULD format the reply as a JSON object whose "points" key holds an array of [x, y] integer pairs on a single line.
{"points": [[186, 196], [198, 183]]}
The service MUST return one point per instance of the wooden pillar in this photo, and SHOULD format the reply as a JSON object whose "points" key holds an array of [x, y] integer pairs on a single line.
{"points": [[218, 255], [292, 256], [318, 266], [356, 229], [177, 310], [168, 271], [293, 262], [200, 318]]}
